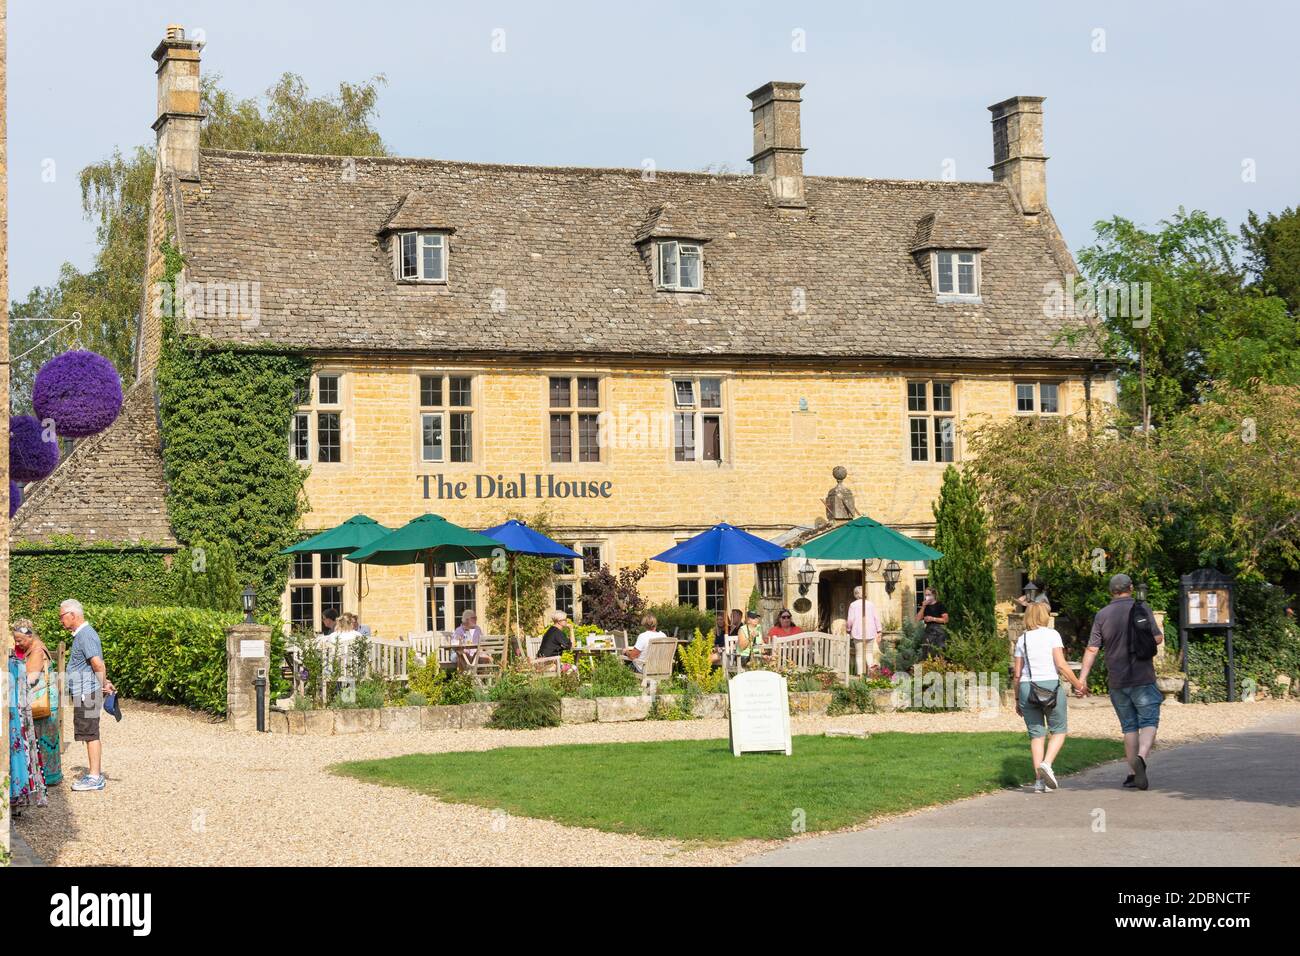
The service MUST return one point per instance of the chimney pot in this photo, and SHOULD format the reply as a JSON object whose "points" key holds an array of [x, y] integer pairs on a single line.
{"points": [[778, 153], [1018, 158]]}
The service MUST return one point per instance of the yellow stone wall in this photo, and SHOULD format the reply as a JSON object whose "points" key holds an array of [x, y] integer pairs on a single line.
{"points": [[777, 469]]}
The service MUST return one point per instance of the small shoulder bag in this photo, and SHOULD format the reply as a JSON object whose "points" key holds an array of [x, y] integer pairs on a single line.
{"points": [[1043, 697]]}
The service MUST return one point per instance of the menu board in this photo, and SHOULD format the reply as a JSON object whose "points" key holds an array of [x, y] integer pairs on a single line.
{"points": [[1208, 606], [759, 712]]}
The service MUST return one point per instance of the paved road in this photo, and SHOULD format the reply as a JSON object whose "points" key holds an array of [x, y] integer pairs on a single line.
{"points": [[1231, 801]]}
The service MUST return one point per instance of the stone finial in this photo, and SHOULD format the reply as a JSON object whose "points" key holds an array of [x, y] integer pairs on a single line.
{"points": [[1018, 158], [840, 505], [778, 153]]}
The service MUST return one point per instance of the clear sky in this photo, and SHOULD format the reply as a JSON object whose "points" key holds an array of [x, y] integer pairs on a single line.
{"points": [[1149, 106]]}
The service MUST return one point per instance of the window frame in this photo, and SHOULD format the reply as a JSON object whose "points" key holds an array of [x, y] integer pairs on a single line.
{"points": [[696, 412], [448, 411], [309, 412], [453, 589], [315, 583], [931, 416], [701, 576], [574, 412], [1037, 386], [422, 238], [677, 246], [977, 274], [577, 571]]}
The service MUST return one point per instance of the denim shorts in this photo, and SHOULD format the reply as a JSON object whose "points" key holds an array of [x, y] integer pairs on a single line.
{"points": [[1036, 717], [1137, 707]]}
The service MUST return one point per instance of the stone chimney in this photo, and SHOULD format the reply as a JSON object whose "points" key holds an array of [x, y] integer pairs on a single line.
{"points": [[778, 155], [179, 108], [1018, 158]]}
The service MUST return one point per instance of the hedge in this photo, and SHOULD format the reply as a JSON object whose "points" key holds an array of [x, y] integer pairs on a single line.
{"points": [[172, 655], [103, 574]]}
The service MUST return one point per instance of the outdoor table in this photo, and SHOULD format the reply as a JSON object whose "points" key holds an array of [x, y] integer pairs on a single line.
{"points": [[462, 652]]}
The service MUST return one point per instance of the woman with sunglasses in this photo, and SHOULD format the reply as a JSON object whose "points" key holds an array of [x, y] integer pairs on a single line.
{"points": [[785, 625]]}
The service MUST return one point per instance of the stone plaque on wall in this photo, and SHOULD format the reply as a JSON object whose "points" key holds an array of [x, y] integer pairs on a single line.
{"points": [[759, 713]]}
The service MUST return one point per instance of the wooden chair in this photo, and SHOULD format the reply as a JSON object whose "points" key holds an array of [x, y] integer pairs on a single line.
{"points": [[731, 660], [620, 641], [542, 665], [832, 652], [657, 662], [794, 652], [485, 668]]}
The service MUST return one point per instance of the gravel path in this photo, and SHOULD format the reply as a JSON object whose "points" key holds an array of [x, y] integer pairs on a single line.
{"points": [[186, 791]]}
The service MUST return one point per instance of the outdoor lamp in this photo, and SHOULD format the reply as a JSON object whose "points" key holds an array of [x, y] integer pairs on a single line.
{"points": [[806, 575], [1140, 591], [891, 572], [1031, 592], [249, 597]]}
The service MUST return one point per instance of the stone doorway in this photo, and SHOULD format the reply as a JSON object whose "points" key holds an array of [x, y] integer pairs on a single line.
{"points": [[834, 592]]}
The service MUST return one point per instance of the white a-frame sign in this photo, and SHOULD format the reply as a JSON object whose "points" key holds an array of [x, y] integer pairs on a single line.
{"points": [[759, 712]]}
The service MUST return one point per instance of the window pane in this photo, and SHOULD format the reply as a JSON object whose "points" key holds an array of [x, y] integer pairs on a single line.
{"points": [[710, 393], [589, 393], [1024, 397], [464, 600], [713, 595], [461, 394], [588, 438], [562, 566], [916, 396], [328, 437], [690, 267], [712, 447], [1048, 398], [302, 567], [564, 598], [409, 265], [684, 436], [920, 448], [331, 598], [561, 393], [590, 557], [431, 391], [443, 611], [298, 440], [687, 568], [462, 442], [943, 396], [302, 607], [433, 257], [561, 438], [944, 260], [714, 568], [331, 567], [431, 440], [684, 393], [688, 591], [919, 592], [301, 394], [945, 443], [966, 274], [327, 390], [668, 264]]}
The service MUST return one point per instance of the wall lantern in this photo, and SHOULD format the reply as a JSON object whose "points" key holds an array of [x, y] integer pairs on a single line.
{"points": [[807, 574], [1031, 593], [249, 597], [891, 573]]}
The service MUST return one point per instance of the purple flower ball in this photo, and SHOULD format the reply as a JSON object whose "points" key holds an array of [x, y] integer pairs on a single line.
{"points": [[80, 391], [31, 456], [15, 497]]}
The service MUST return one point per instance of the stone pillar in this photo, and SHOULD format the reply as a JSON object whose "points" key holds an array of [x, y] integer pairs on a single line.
{"points": [[244, 657], [778, 150], [1018, 158], [180, 110]]}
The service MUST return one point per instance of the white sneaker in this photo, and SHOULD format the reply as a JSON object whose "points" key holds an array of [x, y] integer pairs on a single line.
{"points": [[1039, 786], [89, 783], [1045, 773]]}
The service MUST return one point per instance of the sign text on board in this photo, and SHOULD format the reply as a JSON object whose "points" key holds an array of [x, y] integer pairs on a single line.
{"points": [[523, 486]]}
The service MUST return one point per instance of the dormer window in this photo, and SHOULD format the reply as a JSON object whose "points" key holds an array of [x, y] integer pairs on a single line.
{"points": [[957, 274], [422, 256], [681, 265]]}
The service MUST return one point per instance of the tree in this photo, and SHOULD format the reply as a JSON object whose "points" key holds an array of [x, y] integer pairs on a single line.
{"points": [[614, 602], [115, 195], [534, 578], [1272, 252], [1205, 323], [964, 575], [207, 578]]}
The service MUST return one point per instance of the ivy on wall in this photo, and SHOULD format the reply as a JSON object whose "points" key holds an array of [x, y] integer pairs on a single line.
{"points": [[42, 575], [225, 424]]}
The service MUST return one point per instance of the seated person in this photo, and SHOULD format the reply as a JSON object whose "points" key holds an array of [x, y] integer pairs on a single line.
{"points": [[469, 633], [785, 625], [556, 640], [749, 640], [329, 621], [636, 654]]}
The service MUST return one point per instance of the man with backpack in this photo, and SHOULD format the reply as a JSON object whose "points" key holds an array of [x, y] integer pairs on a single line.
{"points": [[1127, 630]]}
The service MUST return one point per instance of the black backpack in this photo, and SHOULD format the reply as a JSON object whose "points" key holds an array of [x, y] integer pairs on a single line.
{"points": [[1141, 632]]}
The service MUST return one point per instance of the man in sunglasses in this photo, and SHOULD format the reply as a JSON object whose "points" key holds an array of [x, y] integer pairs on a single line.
{"points": [[87, 683]]}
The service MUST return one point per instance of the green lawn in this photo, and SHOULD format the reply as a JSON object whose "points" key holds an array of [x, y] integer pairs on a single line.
{"points": [[696, 790]]}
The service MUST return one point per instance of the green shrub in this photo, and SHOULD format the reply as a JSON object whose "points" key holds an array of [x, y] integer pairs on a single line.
{"points": [[371, 693], [682, 618], [855, 697], [172, 655], [903, 656], [697, 663], [415, 699], [978, 649], [426, 680], [458, 689], [513, 679], [42, 575], [527, 708], [206, 578], [610, 677]]}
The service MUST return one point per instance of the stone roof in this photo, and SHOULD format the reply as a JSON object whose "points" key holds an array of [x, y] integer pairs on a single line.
{"points": [[545, 261], [110, 488]]}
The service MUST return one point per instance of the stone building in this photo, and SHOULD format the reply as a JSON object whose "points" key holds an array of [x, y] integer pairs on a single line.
{"points": [[644, 353]]}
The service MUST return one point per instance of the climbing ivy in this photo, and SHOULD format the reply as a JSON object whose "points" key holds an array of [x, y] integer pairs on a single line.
{"points": [[42, 575], [225, 415]]}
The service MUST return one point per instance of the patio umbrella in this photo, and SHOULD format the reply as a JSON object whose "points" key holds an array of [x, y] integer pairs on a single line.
{"points": [[521, 539], [429, 539], [864, 539], [357, 532], [723, 544]]}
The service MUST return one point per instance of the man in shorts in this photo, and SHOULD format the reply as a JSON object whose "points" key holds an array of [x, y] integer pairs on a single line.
{"points": [[87, 683], [1132, 682]]}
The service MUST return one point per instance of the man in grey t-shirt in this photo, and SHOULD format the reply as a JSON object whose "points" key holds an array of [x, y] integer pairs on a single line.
{"points": [[1132, 682], [87, 683]]}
